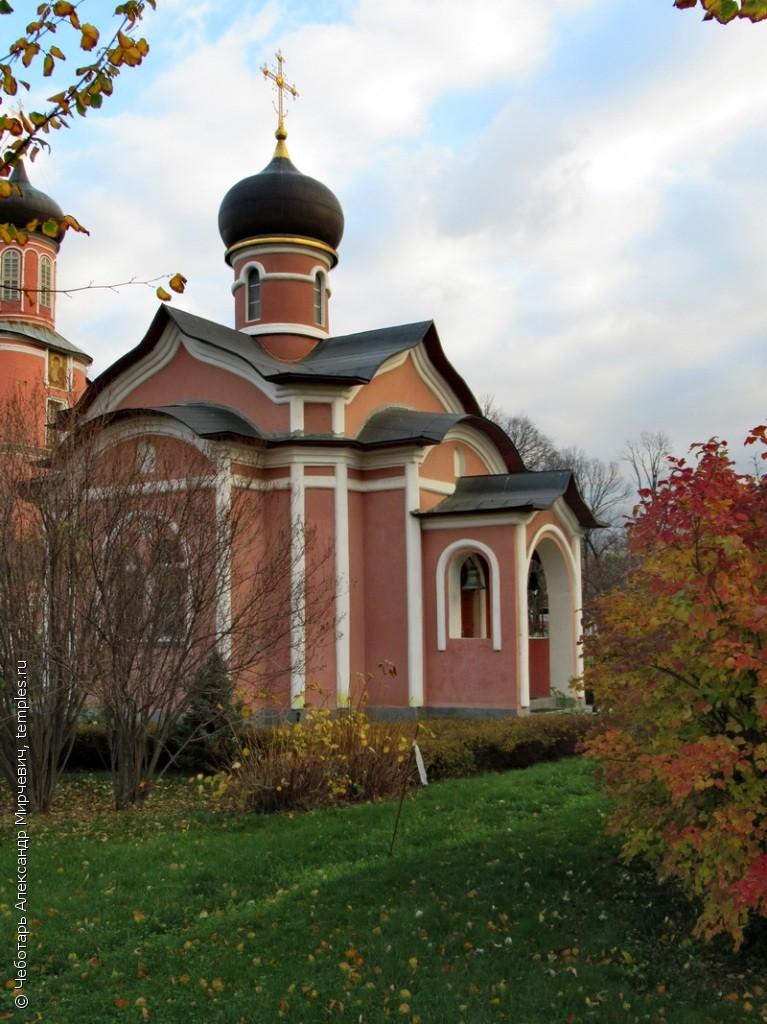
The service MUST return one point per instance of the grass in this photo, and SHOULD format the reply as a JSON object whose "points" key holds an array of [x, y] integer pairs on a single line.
{"points": [[503, 901]]}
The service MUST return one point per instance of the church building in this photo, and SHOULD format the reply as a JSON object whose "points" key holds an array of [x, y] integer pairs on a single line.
{"points": [[449, 559]]}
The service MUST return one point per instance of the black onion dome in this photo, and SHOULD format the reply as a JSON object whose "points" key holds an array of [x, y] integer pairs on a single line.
{"points": [[280, 200], [30, 204]]}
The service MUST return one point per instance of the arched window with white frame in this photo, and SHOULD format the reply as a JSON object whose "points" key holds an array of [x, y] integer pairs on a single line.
{"points": [[254, 294], [468, 594], [10, 265], [46, 282], [320, 308]]}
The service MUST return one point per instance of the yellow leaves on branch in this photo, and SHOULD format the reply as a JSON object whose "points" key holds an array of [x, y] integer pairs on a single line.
{"points": [[22, 136], [89, 38], [177, 283], [725, 11]]}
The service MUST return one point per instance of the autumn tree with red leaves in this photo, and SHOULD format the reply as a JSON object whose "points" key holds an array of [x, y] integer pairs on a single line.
{"points": [[679, 660]]}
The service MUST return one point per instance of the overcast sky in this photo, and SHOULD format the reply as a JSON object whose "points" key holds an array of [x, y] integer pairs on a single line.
{"points": [[573, 190]]}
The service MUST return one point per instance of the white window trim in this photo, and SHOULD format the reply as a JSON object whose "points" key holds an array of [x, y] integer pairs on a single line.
{"points": [[17, 288], [467, 546], [321, 286], [43, 261]]}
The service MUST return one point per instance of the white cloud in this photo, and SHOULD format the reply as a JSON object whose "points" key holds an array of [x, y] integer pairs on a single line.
{"points": [[577, 238]]}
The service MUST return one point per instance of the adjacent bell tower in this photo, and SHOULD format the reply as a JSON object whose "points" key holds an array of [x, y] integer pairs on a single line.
{"points": [[281, 230], [41, 373]]}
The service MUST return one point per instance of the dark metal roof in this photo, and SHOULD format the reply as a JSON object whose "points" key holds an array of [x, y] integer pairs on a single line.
{"points": [[203, 418], [210, 420], [345, 360], [519, 492], [357, 357], [280, 200], [400, 426], [29, 204], [40, 335]]}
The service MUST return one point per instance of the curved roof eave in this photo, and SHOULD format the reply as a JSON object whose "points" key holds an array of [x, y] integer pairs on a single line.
{"points": [[39, 334], [207, 421]]}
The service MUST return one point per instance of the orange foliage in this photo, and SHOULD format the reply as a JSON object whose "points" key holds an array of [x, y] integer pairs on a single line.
{"points": [[679, 658]]}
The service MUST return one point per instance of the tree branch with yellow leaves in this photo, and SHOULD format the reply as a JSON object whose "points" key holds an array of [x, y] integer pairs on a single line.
{"points": [[23, 135]]}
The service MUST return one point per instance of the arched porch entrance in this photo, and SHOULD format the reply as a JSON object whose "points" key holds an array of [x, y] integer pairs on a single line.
{"points": [[553, 582]]}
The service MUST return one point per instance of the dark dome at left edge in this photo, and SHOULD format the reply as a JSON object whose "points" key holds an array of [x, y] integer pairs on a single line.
{"points": [[20, 209]]}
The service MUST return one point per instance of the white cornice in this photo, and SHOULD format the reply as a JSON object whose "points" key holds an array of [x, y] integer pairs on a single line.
{"points": [[301, 330], [436, 486], [388, 483], [311, 392], [475, 522], [255, 248], [33, 349]]}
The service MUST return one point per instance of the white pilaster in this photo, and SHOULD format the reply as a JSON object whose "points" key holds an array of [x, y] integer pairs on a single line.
{"points": [[343, 599], [523, 632], [224, 557], [578, 608], [414, 588], [298, 587]]}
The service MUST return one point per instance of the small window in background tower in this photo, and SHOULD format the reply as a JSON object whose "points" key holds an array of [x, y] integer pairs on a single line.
{"points": [[254, 295], [319, 300], [11, 273], [46, 282]]}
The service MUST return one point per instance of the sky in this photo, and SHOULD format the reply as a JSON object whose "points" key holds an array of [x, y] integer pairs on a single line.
{"points": [[572, 190]]}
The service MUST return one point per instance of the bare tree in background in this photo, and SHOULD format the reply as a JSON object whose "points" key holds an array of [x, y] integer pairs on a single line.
{"points": [[602, 486], [608, 494], [536, 449], [647, 458], [123, 570], [41, 626], [181, 575]]}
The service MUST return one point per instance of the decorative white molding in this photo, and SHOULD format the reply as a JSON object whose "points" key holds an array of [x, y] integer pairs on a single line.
{"points": [[434, 380], [31, 350], [436, 486], [552, 531], [480, 444], [297, 248], [468, 545], [475, 521], [322, 483], [160, 356], [563, 582], [255, 330], [147, 425], [389, 483]]}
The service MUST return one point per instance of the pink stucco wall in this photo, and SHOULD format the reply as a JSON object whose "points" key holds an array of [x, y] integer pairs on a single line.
{"points": [[469, 672], [385, 592]]}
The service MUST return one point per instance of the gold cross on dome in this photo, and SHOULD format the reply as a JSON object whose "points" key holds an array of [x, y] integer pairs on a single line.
{"points": [[282, 87]]}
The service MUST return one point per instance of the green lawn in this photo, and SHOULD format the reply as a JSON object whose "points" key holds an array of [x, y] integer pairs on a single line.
{"points": [[503, 901]]}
